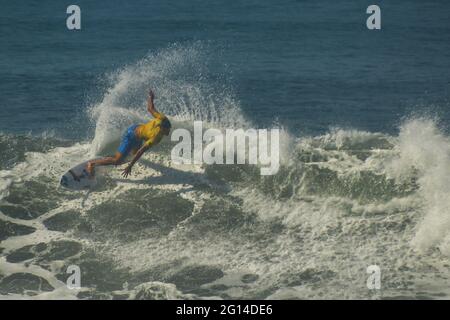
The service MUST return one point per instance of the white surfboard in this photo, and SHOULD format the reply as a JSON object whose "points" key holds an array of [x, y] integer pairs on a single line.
{"points": [[78, 178]]}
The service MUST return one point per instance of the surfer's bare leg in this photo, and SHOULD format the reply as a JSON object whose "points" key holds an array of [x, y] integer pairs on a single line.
{"points": [[107, 161]]}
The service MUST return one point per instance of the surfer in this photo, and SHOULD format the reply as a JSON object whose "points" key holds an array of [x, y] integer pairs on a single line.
{"points": [[137, 139]]}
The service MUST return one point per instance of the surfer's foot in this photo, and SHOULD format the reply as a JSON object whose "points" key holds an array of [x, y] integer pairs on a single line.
{"points": [[90, 169]]}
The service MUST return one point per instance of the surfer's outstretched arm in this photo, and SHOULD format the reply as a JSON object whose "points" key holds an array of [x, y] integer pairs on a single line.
{"points": [[150, 105], [137, 156]]}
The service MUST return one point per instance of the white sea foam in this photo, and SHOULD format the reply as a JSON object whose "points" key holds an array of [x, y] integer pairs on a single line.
{"points": [[318, 226], [425, 151]]}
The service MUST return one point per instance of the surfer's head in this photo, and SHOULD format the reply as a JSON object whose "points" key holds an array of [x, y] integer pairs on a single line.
{"points": [[166, 126]]}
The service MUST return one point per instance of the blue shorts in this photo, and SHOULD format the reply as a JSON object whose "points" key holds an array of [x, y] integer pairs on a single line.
{"points": [[129, 141]]}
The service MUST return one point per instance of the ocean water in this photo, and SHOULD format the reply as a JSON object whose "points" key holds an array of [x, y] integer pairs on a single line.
{"points": [[365, 150]]}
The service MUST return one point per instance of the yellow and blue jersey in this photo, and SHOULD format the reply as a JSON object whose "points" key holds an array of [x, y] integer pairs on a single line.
{"points": [[149, 134]]}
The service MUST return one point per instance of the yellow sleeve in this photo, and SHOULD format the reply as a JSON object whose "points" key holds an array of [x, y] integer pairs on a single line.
{"points": [[159, 115], [152, 141]]}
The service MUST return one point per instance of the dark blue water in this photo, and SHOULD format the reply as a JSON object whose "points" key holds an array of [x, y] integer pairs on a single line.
{"points": [[309, 64]]}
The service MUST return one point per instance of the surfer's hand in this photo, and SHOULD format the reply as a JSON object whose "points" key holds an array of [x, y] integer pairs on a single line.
{"points": [[151, 95], [127, 171]]}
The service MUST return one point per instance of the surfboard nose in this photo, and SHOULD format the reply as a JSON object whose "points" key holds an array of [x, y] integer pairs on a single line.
{"points": [[64, 182]]}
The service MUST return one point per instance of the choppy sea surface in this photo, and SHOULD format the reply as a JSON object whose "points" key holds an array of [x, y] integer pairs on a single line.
{"points": [[365, 151]]}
